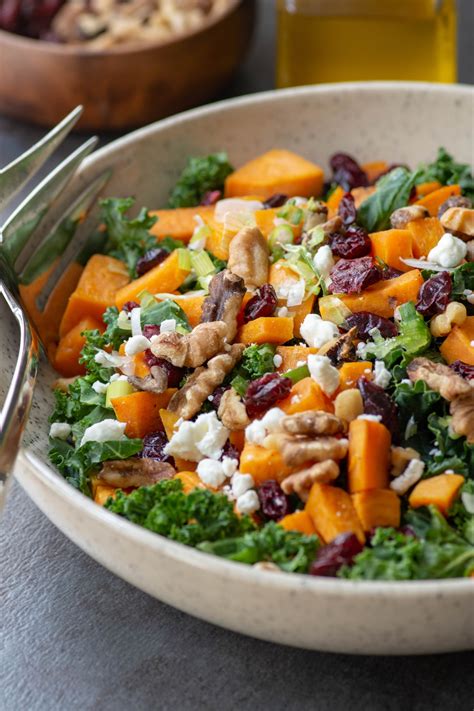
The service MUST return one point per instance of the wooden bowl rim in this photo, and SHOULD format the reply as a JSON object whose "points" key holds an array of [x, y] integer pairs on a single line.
{"points": [[44, 46]]}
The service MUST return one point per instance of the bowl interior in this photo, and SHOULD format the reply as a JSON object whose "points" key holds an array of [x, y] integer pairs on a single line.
{"points": [[396, 122]]}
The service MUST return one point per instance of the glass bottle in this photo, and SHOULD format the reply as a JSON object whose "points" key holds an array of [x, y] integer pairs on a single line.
{"points": [[358, 40]]}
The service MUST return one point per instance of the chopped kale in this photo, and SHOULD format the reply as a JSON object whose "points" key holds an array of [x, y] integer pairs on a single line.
{"points": [[127, 239], [200, 175], [448, 172]]}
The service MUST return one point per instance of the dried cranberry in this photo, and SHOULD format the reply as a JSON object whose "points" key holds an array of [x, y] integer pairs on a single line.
{"points": [[151, 259], [262, 304], [129, 306], [264, 392], [351, 276], [355, 243], [347, 210], [211, 197], [434, 294], [463, 369], [175, 375], [276, 200], [365, 321], [217, 396], [274, 503], [347, 172], [230, 451], [341, 551], [408, 531], [151, 329], [153, 446], [378, 403], [389, 273]]}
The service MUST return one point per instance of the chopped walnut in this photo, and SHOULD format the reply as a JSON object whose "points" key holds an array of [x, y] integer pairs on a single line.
{"points": [[454, 201], [300, 483], [298, 449], [232, 412], [187, 401], [313, 422], [459, 221], [226, 292], [248, 257], [401, 217], [134, 472], [453, 388], [156, 382], [462, 411], [439, 377], [341, 349], [334, 224], [192, 350], [411, 474], [400, 457], [267, 565], [314, 217]]}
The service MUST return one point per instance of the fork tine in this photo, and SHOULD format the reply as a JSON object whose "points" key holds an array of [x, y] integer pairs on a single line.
{"points": [[18, 229], [15, 175], [57, 241]]}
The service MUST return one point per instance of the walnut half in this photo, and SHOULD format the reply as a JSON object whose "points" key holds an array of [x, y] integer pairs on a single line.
{"points": [[232, 412], [226, 292], [300, 483], [248, 257], [192, 350]]}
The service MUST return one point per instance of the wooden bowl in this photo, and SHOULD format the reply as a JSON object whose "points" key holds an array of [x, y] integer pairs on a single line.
{"points": [[122, 87]]}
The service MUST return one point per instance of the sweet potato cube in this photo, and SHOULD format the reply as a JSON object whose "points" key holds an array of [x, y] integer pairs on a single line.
{"points": [[66, 359], [190, 481], [332, 512], [179, 223], [383, 298], [459, 345], [298, 521], [369, 455], [292, 356], [277, 171], [97, 288], [377, 507], [349, 373], [267, 329], [441, 491], [433, 200], [102, 493], [305, 395], [426, 233], [263, 464], [391, 246]]}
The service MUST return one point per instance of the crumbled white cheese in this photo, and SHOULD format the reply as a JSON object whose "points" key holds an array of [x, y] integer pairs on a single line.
{"points": [[109, 360], [229, 466], [205, 437], [282, 312], [299, 363], [241, 483], [371, 418], [230, 207], [248, 503], [136, 344], [105, 431], [60, 430], [382, 376], [317, 332], [323, 260], [449, 252], [409, 477], [117, 376], [99, 388], [296, 293], [211, 473], [324, 373], [277, 360], [258, 429], [361, 350], [168, 325]]}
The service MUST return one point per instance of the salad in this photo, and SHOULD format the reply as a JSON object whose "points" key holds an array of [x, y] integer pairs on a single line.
{"points": [[278, 367]]}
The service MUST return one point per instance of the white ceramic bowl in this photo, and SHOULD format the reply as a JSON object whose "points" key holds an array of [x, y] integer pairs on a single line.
{"points": [[396, 122]]}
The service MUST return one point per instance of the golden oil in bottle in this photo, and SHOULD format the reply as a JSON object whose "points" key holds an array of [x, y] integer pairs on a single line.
{"points": [[358, 40]]}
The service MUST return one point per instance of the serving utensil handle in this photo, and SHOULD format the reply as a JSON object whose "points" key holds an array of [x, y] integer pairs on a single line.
{"points": [[16, 406]]}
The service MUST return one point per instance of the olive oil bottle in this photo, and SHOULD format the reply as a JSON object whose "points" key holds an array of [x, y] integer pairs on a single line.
{"points": [[358, 40]]}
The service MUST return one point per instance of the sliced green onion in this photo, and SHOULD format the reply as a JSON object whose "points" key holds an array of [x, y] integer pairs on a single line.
{"points": [[184, 259], [281, 234], [200, 236], [146, 299], [297, 374], [123, 321]]}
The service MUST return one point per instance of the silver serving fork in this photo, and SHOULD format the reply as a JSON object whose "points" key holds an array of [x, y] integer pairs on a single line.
{"points": [[35, 252]]}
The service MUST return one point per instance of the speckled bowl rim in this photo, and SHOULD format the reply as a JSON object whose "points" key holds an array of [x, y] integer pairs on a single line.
{"points": [[186, 554]]}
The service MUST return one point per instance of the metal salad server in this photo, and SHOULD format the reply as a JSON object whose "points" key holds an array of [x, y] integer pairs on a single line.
{"points": [[36, 253]]}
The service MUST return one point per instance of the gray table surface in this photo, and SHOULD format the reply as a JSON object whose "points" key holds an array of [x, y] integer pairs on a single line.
{"points": [[74, 636]]}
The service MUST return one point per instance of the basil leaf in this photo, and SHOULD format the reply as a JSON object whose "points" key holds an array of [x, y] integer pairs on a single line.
{"points": [[393, 191]]}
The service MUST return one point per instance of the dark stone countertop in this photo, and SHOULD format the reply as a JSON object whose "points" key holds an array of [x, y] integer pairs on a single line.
{"points": [[74, 636]]}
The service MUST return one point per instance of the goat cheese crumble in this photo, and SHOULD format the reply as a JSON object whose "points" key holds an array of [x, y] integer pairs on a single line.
{"points": [[205, 437], [324, 373], [106, 431], [449, 252], [317, 332]]}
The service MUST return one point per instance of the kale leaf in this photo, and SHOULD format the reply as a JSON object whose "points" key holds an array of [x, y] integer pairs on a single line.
{"points": [[461, 518], [79, 400], [292, 551], [436, 551], [393, 191], [95, 341], [200, 175], [127, 239], [414, 337], [448, 172], [256, 361], [114, 335], [188, 518], [155, 312]]}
